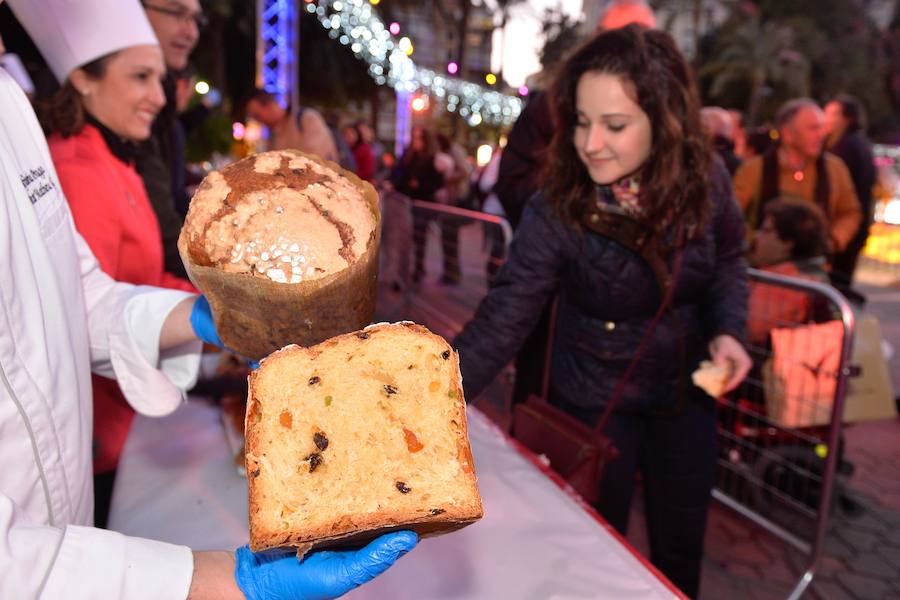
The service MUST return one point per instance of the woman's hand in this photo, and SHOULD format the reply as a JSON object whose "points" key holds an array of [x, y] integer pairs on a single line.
{"points": [[726, 350]]}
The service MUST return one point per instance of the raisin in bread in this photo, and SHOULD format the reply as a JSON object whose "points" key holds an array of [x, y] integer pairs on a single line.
{"points": [[361, 434]]}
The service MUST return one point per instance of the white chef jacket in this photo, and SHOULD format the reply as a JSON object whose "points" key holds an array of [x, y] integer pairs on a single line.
{"points": [[60, 318]]}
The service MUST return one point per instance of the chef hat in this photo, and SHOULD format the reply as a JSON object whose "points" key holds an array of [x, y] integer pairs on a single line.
{"points": [[72, 33]]}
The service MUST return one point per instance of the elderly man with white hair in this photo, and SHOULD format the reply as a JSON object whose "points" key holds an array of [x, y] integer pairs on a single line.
{"points": [[718, 125]]}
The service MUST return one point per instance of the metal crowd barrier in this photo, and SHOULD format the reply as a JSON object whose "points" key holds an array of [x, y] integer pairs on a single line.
{"points": [[780, 431]]}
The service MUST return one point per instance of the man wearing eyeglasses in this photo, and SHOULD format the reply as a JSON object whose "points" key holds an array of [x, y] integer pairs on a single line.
{"points": [[177, 25]]}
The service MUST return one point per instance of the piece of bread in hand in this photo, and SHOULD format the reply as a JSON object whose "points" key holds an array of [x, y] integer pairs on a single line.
{"points": [[362, 434], [712, 378]]}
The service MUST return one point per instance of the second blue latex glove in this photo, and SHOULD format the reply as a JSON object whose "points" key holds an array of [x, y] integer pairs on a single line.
{"points": [[320, 575], [202, 322]]}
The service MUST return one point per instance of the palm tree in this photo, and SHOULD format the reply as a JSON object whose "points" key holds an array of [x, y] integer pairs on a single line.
{"points": [[561, 34], [754, 67]]}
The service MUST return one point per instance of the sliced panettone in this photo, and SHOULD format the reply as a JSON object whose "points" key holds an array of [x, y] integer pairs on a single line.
{"points": [[361, 434]]}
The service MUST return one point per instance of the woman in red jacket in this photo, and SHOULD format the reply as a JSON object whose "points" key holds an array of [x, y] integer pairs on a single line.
{"points": [[362, 152], [104, 108]]}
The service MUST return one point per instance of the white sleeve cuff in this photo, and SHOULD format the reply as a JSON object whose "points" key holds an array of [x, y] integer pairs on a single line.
{"points": [[101, 564], [152, 382]]}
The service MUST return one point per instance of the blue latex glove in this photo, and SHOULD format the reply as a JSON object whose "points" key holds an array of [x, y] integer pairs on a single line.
{"points": [[320, 575], [205, 327], [202, 322]]}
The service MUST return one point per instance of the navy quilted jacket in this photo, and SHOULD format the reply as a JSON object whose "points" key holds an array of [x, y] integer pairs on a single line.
{"points": [[608, 296]]}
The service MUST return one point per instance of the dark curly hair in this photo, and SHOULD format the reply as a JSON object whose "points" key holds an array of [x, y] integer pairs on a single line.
{"points": [[675, 176], [63, 113], [800, 222]]}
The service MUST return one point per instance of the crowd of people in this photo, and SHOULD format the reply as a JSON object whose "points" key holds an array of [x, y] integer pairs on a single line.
{"points": [[112, 325], [814, 153]]}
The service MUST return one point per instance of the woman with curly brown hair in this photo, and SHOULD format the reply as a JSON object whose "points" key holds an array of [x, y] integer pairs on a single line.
{"points": [[632, 204]]}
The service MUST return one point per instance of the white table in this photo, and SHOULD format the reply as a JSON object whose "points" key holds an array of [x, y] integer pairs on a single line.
{"points": [[177, 482]]}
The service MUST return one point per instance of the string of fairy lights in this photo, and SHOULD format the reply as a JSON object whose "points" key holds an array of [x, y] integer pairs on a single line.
{"points": [[356, 24]]}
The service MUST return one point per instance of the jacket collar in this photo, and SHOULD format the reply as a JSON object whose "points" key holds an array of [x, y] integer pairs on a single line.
{"points": [[124, 150]]}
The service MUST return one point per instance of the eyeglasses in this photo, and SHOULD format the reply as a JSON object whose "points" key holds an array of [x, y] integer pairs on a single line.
{"points": [[182, 14]]}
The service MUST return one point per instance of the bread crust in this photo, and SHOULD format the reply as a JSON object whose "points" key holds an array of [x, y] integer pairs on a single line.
{"points": [[426, 520]]}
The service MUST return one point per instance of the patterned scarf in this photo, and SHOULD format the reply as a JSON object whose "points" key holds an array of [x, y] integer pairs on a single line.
{"points": [[624, 193]]}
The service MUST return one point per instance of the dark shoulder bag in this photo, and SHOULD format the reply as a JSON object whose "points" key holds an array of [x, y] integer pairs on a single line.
{"points": [[577, 452]]}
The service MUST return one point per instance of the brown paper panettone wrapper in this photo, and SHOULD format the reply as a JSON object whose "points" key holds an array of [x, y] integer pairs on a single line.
{"points": [[254, 316]]}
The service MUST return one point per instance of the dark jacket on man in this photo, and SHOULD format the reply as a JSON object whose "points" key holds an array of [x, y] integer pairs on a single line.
{"points": [[856, 152], [156, 165]]}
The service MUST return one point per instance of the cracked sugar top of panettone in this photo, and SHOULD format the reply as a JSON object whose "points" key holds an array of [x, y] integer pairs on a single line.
{"points": [[279, 215]]}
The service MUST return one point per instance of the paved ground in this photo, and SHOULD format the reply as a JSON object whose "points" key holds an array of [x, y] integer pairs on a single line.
{"points": [[861, 556]]}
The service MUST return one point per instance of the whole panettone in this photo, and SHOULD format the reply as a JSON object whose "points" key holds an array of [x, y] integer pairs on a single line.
{"points": [[285, 247]]}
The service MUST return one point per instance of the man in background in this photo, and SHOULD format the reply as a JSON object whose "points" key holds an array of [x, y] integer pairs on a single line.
{"points": [[177, 25], [306, 131], [845, 122], [798, 167], [718, 125]]}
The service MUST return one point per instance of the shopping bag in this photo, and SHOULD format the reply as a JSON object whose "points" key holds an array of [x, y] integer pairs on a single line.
{"points": [[800, 379], [870, 395]]}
